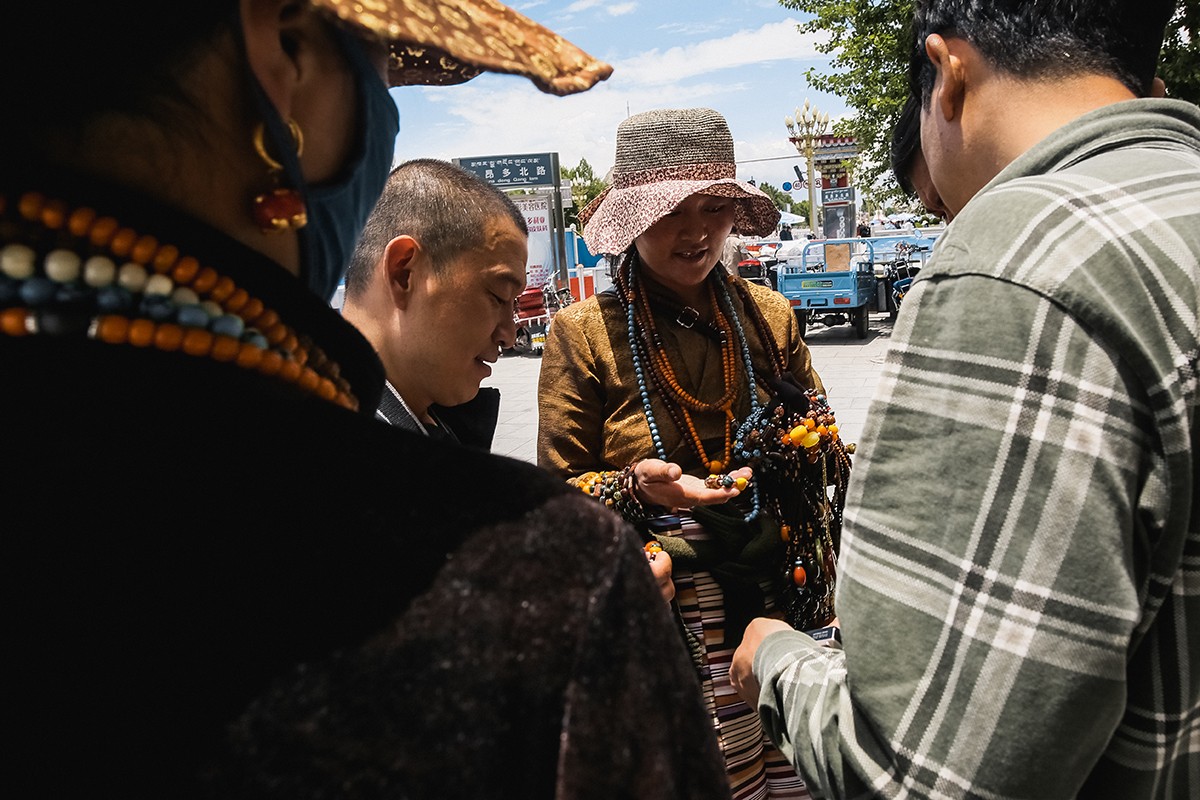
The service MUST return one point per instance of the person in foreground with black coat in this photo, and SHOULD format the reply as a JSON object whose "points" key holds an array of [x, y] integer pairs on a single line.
{"points": [[223, 576]]}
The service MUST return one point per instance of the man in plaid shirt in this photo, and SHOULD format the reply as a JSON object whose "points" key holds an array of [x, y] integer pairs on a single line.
{"points": [[1020, 565]]}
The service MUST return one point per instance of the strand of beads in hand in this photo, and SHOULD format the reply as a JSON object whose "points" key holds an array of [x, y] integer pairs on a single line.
{"points": [[797, 456]]}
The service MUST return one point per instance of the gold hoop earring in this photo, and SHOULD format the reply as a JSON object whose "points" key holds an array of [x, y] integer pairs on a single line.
{"points": [[282, 208]]}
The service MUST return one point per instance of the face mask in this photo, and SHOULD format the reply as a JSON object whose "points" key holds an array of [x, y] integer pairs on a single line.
{"points": [[338, 211]]}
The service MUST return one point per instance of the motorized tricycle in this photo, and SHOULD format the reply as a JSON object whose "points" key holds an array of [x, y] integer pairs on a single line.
{"points": [[832, 281]]}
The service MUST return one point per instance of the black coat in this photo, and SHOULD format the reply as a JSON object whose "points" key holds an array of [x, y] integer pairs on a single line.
{"points": [[217, 585]]}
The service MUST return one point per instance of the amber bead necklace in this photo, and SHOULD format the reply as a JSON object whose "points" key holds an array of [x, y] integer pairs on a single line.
{"points": [[651, 365], [112, 284]]}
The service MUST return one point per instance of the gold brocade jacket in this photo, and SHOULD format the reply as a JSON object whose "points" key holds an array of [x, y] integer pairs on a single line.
{"points": [[590, 414]]}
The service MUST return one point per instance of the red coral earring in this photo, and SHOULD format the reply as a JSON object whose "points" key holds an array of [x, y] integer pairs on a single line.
{"points": [[281, 209]]}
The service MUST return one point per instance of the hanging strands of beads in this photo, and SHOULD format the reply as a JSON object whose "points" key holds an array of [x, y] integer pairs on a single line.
{"points": [[801, 468]]}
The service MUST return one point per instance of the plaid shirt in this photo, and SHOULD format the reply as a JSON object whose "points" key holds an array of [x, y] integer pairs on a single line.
{"points": [[1020, 572]]}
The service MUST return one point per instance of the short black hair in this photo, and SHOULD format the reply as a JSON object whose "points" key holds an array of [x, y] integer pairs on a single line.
{"points": [[906, 143], [1049, 38], [441, 205]]}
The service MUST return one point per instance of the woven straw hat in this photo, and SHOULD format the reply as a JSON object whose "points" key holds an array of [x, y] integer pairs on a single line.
{"points": [[664, 157], [444, 42]]}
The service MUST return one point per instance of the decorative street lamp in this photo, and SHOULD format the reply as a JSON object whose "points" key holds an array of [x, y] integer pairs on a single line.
{"points": [[803, 131]]}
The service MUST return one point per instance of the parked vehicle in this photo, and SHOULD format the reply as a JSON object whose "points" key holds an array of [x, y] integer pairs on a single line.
{"points": [[533, 310], [901, 271], [833, 282]]}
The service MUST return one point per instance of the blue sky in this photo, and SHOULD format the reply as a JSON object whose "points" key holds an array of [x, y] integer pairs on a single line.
{"points": [[744, 58]]}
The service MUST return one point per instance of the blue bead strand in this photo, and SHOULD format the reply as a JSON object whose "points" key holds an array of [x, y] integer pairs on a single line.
{"points": [[635, 351]]}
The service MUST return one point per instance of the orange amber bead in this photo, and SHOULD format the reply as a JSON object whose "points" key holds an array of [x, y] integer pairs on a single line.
{"points": [[252, 310], [143, 250], [102, 231], [796, 435], [225, 348], [326, 390], [289, 343], [223, 288], [237, 301], [785, 533], [197, 342], [205, 280], [30, 205], [799, 576], [275, 333], [54, 214], [141, 332], [185, 271], [290, 370], [265, 319], [249, 355], [112, 329], [80, 221], [122, 242], [308, 379], [169, 337], [12, 321], [165, 259], [810, 423], [270, 363], [301, 356]]}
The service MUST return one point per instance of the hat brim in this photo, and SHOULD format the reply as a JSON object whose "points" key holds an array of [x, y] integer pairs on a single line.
{"points": [[443, 42], [618, 216]]}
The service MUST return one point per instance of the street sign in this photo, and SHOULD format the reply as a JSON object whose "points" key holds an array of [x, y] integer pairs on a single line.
{"points": [[787, 186], [837, 196], [515, 171]]}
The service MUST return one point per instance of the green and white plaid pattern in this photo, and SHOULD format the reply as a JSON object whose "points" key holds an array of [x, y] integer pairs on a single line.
{"points": [[1020, 572]]}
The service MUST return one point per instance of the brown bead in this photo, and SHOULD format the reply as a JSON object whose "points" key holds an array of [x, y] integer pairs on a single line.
{"points": [[12, 321], [197, 342], [205, 280], [225, 348], [80, 221], [141, 332], [165, 261], [112, 329], [169, 337], [122, 242], [143, 249]]}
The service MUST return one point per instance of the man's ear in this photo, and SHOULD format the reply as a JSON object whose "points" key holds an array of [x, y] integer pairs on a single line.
{"points": [[950, 82], [402, 268]]}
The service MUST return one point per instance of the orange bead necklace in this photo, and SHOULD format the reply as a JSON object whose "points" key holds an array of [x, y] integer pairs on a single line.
{"points": [[115, 285]]}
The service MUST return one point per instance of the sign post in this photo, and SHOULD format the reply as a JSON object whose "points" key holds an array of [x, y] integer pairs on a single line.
{"points": [[528, 171]]}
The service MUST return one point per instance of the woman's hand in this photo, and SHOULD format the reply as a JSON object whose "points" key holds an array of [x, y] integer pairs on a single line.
{"points": [[663, 483], [660, 568]]}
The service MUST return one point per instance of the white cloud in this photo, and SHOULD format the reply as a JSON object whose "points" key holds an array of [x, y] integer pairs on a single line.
{"points": [[582, 5], [620, 9], [495, 115]]}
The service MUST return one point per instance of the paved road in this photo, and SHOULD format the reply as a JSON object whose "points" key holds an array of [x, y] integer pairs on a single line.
{"points": [[848, 366]]}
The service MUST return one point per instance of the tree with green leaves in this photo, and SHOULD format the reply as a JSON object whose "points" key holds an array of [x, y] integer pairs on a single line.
{"points": [[585, 187], [782, 200], [1179, 64], [869, 41]]}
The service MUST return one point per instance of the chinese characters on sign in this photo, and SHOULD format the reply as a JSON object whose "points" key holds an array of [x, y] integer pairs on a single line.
{"points": [[511, 171], [537, 219]]}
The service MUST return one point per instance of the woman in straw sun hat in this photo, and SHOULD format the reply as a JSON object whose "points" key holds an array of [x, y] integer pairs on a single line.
{"points": [[224, 577], [673, 397]]}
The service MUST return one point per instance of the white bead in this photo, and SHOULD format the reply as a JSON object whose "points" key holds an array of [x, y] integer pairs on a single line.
{"points": [[132, 277], [99, 271], [183, 296], [214, 309], [62, 266], [159, 284], [17, 260]]}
